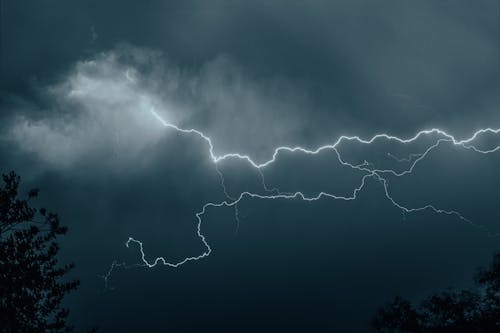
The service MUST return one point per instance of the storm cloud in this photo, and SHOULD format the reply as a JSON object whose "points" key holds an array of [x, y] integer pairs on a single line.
{"points": [[78, 84]]}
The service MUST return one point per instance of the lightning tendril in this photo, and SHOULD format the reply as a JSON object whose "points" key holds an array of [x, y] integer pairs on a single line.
{"points": [[367, 168]]}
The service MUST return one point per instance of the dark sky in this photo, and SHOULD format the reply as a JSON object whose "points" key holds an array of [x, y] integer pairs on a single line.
{"points": [[78, 81]]}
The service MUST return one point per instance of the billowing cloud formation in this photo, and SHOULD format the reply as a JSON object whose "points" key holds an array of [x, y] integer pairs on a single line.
{"points": [[97, 108], [102, 107]]}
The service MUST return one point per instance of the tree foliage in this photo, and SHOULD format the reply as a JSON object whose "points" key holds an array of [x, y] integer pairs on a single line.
{"points": [[474, 310], [31, 280]]}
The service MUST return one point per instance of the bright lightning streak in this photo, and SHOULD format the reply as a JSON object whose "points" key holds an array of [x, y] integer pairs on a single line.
{"points": [[274, 193], [464, 143]]}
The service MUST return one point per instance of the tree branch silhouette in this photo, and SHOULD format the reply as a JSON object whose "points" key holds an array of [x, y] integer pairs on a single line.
{"points": [[474, 310], [32, 284]]}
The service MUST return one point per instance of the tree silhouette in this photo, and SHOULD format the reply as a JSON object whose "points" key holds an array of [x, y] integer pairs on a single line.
{"points": [[31, 284], [475, 310]]}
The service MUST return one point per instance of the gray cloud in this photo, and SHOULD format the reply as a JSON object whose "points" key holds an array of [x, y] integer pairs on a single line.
{"points": [[76, 122], [102, 106]]}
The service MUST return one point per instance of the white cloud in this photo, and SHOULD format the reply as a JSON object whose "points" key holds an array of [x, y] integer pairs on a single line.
{"points": [[101, 108]]}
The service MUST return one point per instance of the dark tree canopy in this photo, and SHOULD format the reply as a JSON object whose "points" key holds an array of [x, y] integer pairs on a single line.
{"points": [[476, 310], [31, 280]]}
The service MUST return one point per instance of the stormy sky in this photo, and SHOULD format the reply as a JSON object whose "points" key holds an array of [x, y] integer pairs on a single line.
{"points": [[79, 81]]}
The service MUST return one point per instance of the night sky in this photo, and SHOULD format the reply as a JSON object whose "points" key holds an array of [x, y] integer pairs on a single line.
{"points": [[79, 81]]}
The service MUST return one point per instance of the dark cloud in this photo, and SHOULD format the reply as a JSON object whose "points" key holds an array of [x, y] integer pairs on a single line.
{"points": [[79, 82]]}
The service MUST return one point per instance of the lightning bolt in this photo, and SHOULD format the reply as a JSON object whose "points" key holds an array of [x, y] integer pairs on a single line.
{"points": [[366, 168]]}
